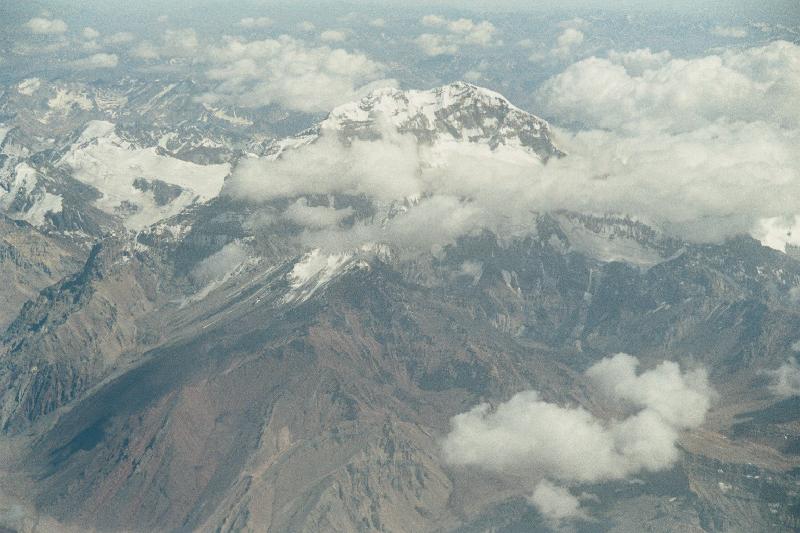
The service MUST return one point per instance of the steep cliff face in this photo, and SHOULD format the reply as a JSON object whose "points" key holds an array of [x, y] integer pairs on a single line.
{"points": [[77, 331], [30, 262]]}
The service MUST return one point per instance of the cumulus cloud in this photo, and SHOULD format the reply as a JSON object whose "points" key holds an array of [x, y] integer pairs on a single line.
{"points": [[96, 61], [145, 50], [454, 34], [566, 43], [705, 183], [180, 42], [255, 22], [377, 23], [289, 72], [570, 444], [786, 379], [736, 32], [306, 26], [333, 36], [121, 37], [643, 90], [41, 25], [436, 45], [555, 502], [90, 33], [722, 128]]}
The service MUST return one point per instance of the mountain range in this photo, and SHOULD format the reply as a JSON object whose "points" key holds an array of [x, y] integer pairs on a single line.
{"points": [[203, 332]]}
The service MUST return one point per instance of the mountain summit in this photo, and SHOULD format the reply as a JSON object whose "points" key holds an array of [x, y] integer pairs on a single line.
{"points": [[459, 111]]}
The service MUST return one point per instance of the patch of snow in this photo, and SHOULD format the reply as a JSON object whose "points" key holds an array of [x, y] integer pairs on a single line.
{"points": [[233, 119], [65, 99], [24, 181], [313, 271], [44, 203], [103, 160], [607, 248], [95, 129], [109, 101], [29, 86], [152, 102]]}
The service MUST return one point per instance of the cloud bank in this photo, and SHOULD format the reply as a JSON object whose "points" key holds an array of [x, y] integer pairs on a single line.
{"points": [[700, 168], [529, 435], [289, 72], [642, 91]]}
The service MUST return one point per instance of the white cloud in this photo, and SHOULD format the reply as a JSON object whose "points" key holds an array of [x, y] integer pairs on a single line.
{"points": [[219, 265], [96, 61], [180, 43], [121, 37], [456, 33], [90, 46], [306, 26], [436, 45], [570, 444], [555, 503], [255, 22], [379, 169], [786, 379], [377, 23], [333, 36], [636, 62], [736, 32], [162, 19], [289, 72], [473, 75], [42, 25], [693, 171], [567, 42], [756, 84], [145, 50], [433, 21], [175, 43], [90, 33]]}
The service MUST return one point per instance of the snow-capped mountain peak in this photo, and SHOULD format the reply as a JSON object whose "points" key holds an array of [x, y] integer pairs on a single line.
{"points": [[459, 111]]}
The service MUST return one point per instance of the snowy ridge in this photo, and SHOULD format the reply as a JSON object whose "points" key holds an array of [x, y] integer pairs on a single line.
{"points": [[140, 185], [22, 187], [459, 111], [316, 269]]}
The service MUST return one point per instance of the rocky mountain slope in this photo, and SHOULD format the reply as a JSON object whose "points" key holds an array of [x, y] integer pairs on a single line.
{"points": [[210, 372]]}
